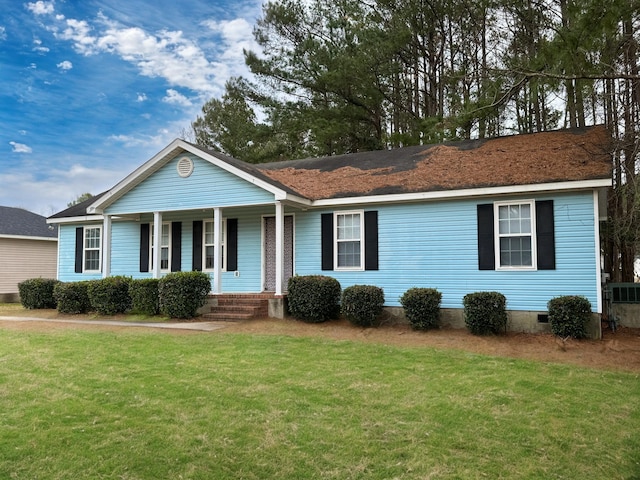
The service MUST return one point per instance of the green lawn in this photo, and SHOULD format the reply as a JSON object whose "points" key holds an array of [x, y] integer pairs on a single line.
{"points": [[153, 405]]}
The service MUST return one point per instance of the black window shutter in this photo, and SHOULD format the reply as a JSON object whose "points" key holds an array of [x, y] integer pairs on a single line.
{"points": [[144, 247], [486, 245], [79, 245], [176, 246], [196, 262], [545, 235], [371, 240], [326, 234], [232, 244]]}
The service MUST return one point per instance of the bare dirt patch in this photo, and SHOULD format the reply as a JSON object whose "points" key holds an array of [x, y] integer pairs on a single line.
{"points": [[618, 350]]}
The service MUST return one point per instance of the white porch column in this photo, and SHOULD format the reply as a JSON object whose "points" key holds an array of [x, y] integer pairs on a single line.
{"points": [[157, 240], [217, 250], [106, 246], [279, 247]]}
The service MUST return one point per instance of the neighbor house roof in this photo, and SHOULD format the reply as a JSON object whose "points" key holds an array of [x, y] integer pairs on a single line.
{"points": [[17, 222], [549, 157], [79, 209]]}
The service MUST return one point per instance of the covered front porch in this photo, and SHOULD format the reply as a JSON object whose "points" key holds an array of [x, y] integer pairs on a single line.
{"points": [[246, 250]]}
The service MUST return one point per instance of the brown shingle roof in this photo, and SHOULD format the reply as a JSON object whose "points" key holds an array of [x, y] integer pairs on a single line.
{"points": [[558, 156]]}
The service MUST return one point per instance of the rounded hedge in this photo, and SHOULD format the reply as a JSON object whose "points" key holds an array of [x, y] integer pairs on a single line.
{"points": [[37, 293], [314, 298], [569, 315], [485, 312], [422, 307], [110, 295], [144, 296], [72, 297], [362, 304], [181, 294]]}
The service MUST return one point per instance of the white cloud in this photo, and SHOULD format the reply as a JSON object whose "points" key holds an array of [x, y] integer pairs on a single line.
{"points": [[3, 33], [78, 32], [20, 147], [176, 98], [181, 61], [233, 31], [65, 65], [236, 35], [38, 46], [59, 188], [142, 140], [40, 7], [142, 97], [168, 55]]}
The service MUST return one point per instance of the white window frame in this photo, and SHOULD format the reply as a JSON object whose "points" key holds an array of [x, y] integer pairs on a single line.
{"points": [[337, 241], [223, 245], [86, 249], [168, 246], [532, 234]]}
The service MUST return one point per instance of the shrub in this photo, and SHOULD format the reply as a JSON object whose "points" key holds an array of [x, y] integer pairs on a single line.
{"points": [[181, 294], [422, 307], [72, 297], [362, 304], [110, 295], [485, 312], [569, 315], [314, 298], [37, 293], [144, 296]]}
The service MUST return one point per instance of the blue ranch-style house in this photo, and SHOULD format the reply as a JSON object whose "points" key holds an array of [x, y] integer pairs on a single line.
{"points": [[518, 215]]}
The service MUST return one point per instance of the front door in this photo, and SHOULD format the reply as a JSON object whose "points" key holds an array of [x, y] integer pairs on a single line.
{"points": [[270, 252]]}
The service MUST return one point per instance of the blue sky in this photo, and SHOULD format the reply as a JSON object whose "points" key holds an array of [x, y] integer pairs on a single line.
{"points": [[90, 90]]}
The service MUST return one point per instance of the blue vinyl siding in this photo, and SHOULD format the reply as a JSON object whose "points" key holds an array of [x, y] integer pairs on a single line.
{"points": [[67, 256], [435, 245], [431, 244], [208, 186]]}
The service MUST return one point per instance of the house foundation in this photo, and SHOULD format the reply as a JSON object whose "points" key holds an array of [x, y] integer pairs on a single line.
{"points": [[517, 321]]}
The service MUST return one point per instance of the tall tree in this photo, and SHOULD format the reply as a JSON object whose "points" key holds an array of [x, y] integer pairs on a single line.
{"points": [[339, 76]]}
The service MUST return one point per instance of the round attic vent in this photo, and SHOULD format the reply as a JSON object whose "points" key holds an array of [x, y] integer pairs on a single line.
{"points": [[185, 167]]}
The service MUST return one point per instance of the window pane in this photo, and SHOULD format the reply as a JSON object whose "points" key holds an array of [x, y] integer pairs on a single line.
{"points": [[164, 258], [209, 258], [92, 260], [208, 233], [348, 226], [515, 252], [92, 238], [349, 254], [165, 235]]}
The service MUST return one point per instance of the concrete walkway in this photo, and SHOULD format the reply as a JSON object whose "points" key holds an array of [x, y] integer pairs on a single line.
{"points": [[198, 326]]}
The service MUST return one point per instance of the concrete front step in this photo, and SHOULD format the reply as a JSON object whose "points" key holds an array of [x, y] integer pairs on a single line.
{"points": [[226, 317]]}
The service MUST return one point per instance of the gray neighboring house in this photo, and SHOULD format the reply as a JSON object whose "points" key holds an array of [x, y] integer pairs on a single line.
{"points": [[28, 249]]}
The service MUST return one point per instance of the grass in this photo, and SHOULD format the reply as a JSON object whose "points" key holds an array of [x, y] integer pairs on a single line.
{"points": [[149, 405]]}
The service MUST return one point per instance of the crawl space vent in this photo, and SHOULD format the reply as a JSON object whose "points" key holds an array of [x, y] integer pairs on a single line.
{"points": [[185, 167]]}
